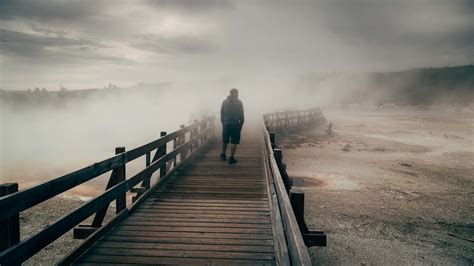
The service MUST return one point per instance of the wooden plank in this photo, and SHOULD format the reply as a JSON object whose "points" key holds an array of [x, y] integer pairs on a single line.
{"points": [[192, 223], [189, 195], [217, 184], [212, 193], [208, 204], [200, 254], [223, 174], [188, 240], [220, 181], [222, 165], [216, 192], [215, 188], [191, 229], [102, 264], [220, 169], [169, 261], [236, 201], [190, 211], [230, 180], [192, 235], [203, 208], [199, 219], [203, 215], [191, 247]]}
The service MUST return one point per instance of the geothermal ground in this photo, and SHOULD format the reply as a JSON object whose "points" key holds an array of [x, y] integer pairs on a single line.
{"points": [[388, 187]]}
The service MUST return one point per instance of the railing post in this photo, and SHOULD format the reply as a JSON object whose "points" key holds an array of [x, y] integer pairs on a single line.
{"points": [[117, 176], [10, 227], [121, 201], [297, 202], [194, 133], [278, 153], [272, 139], [148, 159], [182, 140], [204, 127], [161, 151]]}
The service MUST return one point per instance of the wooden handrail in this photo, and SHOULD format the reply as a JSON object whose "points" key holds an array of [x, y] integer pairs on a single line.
{"points": [[30, 197], [25, 199], [292, 119], [296, 247]]}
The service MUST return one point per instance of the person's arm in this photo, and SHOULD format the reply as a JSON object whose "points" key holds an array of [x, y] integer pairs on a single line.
{"points": [[242, 118], [222, 112]]}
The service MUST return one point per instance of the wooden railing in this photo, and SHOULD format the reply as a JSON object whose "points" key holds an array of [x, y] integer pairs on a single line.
{"points": [[293, 119], [291, 201], [185, 141]]}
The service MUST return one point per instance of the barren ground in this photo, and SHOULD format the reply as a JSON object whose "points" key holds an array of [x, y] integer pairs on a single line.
{"points": [[388, 187]]}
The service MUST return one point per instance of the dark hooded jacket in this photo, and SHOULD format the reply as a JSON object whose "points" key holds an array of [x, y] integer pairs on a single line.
{"points": [[232, 110]]}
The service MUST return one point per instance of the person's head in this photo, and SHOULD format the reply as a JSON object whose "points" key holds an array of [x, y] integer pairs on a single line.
{"points": [[234, 93]]}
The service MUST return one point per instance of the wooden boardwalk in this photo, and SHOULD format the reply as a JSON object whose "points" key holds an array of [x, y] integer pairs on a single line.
{"points": [[209, 213], [200, 210]]}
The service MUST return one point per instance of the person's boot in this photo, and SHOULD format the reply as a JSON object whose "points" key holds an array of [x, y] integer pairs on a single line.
{"points": [[223, 157], [232, 160]]}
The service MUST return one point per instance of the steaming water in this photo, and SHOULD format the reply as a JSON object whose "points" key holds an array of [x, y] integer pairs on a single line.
{"points": [[43, 142]]}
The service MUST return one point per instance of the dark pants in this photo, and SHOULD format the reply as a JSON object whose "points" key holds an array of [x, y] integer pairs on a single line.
{"points": [[231, 132]]}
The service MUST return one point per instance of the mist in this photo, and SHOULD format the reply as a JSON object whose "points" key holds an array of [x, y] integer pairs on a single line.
{"points": [[45, 135]]}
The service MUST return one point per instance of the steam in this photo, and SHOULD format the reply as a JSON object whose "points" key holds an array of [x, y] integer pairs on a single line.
{"points": [[43, 136]]}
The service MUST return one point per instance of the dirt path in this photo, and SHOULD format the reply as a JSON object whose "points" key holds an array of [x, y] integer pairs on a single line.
{"points": [[388, 188]]}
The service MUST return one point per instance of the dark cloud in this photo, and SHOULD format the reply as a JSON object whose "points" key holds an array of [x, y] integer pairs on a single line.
{"points": [[49, 10], [173, 45]]}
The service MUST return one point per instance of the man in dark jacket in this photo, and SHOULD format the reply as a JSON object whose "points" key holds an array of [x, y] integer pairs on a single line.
{"points": [[232, 119]]}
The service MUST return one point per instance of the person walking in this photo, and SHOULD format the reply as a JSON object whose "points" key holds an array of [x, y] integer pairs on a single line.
{"points": [[232, 119]]}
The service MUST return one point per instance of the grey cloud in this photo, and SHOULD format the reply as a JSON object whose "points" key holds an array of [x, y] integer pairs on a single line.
{"points": [[48, 31], [35, 47], [173, 45], [382, 26], [30, 45], [191, 6]]}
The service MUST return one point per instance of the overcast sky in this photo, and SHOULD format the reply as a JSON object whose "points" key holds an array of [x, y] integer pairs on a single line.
{"points": [[85, 44]]}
